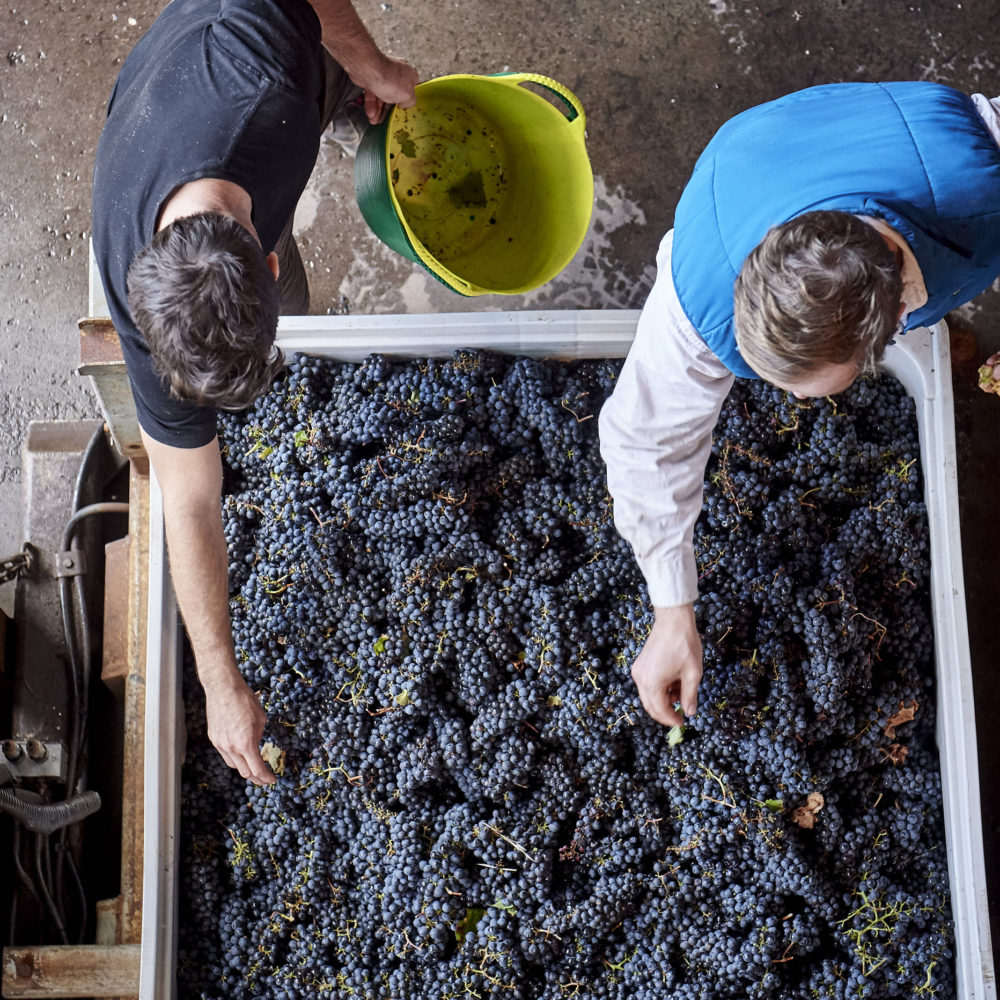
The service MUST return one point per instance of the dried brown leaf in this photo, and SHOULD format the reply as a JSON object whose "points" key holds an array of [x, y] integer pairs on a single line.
{"points": [[906, 713], [896, 754], [275, 757], [805, 816]]}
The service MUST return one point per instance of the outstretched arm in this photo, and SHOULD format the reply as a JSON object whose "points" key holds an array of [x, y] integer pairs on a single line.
{"points": [[385, 80], [191, 482], [656, 437]]}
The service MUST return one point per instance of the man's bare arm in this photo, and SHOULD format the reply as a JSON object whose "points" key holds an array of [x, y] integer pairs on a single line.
{"points": [[191, 482], [385, 80]]}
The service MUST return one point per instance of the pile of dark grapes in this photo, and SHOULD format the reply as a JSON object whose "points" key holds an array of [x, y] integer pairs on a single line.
{"points": [[429, 593]]}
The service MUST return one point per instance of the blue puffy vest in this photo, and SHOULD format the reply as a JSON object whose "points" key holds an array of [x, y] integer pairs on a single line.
{"points": [[914, 154]]}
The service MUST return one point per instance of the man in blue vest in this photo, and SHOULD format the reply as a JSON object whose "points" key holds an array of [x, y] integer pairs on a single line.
{"points": [[813, 229]]}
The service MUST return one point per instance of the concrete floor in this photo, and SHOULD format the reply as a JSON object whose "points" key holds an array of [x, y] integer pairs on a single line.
{"points": [[656, 79]]}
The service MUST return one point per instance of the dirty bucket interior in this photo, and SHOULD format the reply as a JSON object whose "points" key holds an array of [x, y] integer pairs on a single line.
{"points": [[491, 182]]}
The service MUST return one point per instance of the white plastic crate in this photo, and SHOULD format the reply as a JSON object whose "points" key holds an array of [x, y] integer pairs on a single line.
{"points": [[920, 360]]}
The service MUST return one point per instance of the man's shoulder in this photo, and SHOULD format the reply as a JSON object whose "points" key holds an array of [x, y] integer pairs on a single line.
{"points": [[279, 40], [272, 39]]}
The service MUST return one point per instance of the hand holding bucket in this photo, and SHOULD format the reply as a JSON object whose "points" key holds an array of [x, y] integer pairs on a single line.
{"points": [[484, 182]]}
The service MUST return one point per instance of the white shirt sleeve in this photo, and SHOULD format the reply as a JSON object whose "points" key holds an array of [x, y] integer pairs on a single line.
{"points": [[656, 438]]}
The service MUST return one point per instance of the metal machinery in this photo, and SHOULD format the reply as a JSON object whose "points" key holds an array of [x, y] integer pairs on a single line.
{"points": [[72, 705]]}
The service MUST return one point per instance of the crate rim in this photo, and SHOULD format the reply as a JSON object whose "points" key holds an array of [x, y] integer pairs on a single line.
{"points": [[920, 360]]}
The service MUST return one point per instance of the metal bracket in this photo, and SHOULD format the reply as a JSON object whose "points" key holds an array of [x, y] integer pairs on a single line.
{"points": [[34, 759], [14, 566], [71, 563]]}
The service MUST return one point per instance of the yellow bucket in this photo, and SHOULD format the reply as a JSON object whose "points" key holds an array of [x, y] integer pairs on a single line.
{"points": [[484, 182]]}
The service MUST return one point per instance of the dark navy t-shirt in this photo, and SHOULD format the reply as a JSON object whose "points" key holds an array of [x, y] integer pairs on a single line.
{"points": [[229, 89]]}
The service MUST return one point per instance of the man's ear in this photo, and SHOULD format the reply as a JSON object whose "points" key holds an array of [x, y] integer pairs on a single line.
{"points": [[272, 263]]}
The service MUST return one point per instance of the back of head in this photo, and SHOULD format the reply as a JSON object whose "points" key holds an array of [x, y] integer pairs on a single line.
{"points": [[822, 289], [203, 296]]}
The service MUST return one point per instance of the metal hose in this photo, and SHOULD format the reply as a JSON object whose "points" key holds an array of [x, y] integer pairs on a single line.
{"points": [[55, 913], [76, 668], [79, 662], [47, 817]]}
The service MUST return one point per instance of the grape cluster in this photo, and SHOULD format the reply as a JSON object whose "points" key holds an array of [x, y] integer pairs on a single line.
{"points": [[428, 592]]}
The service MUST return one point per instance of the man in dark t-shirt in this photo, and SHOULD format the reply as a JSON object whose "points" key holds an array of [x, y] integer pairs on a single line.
{"points": [[212, 132]]}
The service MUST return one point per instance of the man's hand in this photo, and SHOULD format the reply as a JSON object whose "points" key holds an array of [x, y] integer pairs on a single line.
{"points": [[392, 83], [668, 668], [384, 80], [989, 374], [235, 726]]}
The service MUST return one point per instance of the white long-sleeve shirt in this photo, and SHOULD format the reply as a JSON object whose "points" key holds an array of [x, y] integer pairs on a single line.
{"points": [[656, 436]]}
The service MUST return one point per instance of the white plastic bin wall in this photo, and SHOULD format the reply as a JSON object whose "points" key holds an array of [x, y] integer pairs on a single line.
{"points": [[920, 360]]}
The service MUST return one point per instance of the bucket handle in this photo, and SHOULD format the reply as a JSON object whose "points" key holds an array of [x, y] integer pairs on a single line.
{"points": [[575, 108]]}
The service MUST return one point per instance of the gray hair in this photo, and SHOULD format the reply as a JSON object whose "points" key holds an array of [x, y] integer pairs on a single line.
{"points": [[822, 289]]}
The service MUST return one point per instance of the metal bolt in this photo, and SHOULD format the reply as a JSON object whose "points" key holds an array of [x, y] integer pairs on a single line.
{"points": [[67, 562], [37, 750], [12, 750]]}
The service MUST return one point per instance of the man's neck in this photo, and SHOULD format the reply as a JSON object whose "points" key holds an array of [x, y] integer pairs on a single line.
{"points": [[914, 289], [208, 195]]}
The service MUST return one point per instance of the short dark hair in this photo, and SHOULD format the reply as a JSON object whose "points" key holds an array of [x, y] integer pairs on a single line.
{"points": [[203, 296], [821, 289]]}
